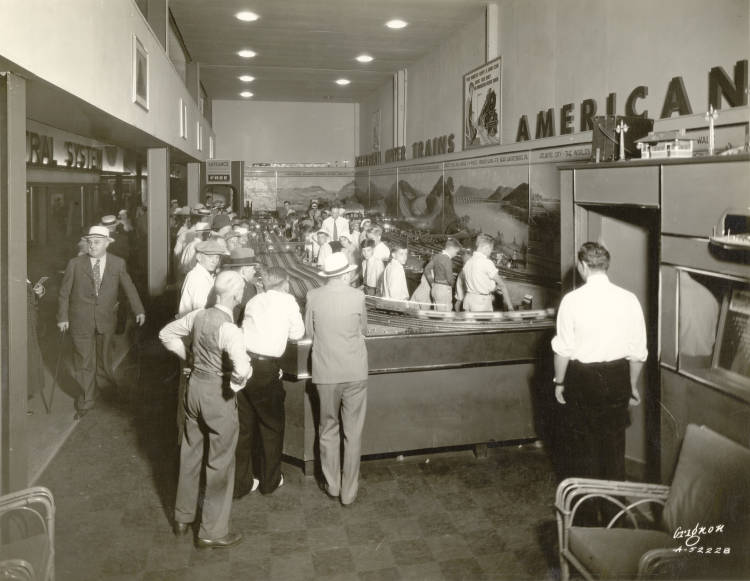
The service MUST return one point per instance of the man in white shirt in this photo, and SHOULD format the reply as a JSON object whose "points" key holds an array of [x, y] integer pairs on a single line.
{"points": [[211, 412], [600, 348], [381, 249], [372, 268], [324, 247], [200, 280], [201, 232], [336, 224], [271, 319], [480, 279], [394, 277]]}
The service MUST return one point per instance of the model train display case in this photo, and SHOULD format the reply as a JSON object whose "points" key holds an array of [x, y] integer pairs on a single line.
{"points": [[435, 380], [658, 218]]}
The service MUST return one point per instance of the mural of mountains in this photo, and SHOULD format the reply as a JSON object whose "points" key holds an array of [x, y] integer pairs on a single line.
{"points": [[470, 192], [518, 196]]}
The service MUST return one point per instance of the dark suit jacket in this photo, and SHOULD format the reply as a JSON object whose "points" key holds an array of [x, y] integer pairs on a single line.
{"points": [[79, 304]]}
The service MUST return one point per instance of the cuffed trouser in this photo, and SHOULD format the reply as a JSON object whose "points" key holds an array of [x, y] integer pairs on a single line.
{"points": [[92, 366], [211, 418], [351, 399], [474, 302], [261, 413], [442, 296]]}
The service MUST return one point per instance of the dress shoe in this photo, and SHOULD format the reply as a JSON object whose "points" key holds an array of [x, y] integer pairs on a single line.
{"points": [[224, 542], [181, 528], [241, 493]]}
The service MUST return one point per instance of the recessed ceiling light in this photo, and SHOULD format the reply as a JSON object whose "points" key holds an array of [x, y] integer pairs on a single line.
{"points": [[246, 94], [365, 58], [246, 78], [246, 16], [396, 23], [342, 82], [246, 53]]}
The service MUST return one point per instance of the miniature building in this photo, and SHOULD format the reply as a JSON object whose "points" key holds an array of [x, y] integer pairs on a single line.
{"points": [[662, 144]]}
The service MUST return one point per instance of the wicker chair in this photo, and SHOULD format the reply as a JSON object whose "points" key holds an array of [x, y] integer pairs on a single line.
{"points": [[27, 535], [711, 487]]}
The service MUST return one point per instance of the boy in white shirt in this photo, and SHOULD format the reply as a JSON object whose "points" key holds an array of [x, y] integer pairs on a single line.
{"points": [[394, 277]]}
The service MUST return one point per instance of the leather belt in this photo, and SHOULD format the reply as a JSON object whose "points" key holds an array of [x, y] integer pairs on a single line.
{"points": [[477, 294], [443, 283]]}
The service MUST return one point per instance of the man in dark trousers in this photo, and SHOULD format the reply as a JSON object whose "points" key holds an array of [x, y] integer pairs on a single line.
{"points": [[599, 348], [271, 318], [88, 308], [336, 319], [211, 412]]}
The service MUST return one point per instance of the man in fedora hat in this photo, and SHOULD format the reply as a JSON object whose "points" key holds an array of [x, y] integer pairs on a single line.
{"points": [[244, 261], [336, 320], [200, 280], [271, 318], [201, 232], [88, 309]]}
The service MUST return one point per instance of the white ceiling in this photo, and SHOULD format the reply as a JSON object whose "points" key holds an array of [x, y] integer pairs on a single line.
{"points": [[303, 46]]}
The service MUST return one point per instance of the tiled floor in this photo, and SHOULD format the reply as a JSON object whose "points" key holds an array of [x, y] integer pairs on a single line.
{"points": [[443, 516]]}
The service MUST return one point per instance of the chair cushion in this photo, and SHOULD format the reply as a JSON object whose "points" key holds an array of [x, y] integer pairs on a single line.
{"points": [[711, 486], [35, 550], [614, 553]]}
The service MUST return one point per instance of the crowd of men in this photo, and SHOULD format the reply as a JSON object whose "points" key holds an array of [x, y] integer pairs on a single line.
{"points": [[235, 316]]}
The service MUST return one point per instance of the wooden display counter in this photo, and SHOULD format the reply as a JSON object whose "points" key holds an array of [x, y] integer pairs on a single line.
{"points": [[430, 390]]}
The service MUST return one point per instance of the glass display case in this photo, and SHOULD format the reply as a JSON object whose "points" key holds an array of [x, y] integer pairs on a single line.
{"points": [[714, 328]]}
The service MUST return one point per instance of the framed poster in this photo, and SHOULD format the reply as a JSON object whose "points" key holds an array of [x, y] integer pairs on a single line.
{"points": [[375, 122], [482, 105], [140, 73]]}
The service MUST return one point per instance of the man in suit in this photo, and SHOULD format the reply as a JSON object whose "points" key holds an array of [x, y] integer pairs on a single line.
{"points": [[336, 320], [88, 308]]}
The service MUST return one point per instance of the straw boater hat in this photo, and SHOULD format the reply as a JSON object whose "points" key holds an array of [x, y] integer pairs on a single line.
{"points": [[241, 257], [110, 221], [336, 265], [99, 232], [202, 227], [212, 246], [321, 231]]}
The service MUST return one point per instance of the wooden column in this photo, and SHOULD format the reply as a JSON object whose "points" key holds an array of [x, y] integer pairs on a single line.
{"points": [[13, 301], [158, 223]]}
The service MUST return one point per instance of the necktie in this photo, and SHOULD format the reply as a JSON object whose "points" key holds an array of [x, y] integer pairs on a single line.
{"points": [[335, 231], [97, 276]]}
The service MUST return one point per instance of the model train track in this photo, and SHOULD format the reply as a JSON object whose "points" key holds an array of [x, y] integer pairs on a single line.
{"points": [[399, 314]]}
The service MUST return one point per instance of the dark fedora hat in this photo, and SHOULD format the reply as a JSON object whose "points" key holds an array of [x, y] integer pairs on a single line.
{"points": [[241, 257]]}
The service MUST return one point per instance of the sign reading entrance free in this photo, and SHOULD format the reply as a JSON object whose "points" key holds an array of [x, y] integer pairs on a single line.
{"points": [[218, 171]]}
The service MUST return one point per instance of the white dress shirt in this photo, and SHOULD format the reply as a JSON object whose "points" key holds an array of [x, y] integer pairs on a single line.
{"points": [[478, 274], [187, 260], [342, 226], [271, 319], [600, 322], [372, 271], [195, 290], [184, 235], [381, 251], [230, 340], [394, 282], [324, 252]]}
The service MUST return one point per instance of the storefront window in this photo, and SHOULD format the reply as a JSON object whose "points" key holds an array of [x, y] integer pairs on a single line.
{"points": [[714, 328]]}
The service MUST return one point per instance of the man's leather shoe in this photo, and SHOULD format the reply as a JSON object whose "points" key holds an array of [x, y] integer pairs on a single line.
{"points": [[247, 490], [224, 542], [181, 528]]}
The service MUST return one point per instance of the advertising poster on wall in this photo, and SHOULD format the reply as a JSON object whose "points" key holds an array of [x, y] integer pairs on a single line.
{"points": [[482, 105], [260, 190]]}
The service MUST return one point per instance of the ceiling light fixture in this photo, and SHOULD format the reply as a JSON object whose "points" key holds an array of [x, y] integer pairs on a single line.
{"points": [[365, 58], [246, 16], [246, 53], [396, 23], [246, 78], [246, 94], [342, 82]]}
